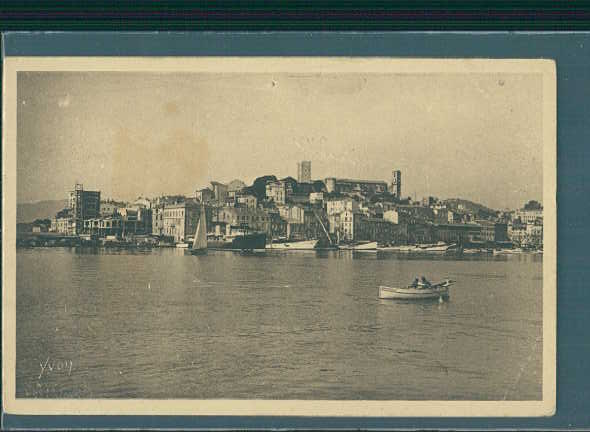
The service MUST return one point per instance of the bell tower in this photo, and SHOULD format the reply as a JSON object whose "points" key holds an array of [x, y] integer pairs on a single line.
{"points": [[396, 183]]}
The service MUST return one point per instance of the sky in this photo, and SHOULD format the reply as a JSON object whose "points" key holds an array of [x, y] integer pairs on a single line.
{"points": [[130, 134]]}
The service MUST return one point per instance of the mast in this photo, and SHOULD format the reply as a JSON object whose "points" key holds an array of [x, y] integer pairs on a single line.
{"points": [[324, 228]]}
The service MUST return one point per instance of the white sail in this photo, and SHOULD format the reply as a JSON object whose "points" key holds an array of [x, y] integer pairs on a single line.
{"points": [[200, 240]]}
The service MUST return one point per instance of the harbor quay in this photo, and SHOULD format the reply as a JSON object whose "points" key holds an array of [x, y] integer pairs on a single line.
{"points": [[291, 213]]}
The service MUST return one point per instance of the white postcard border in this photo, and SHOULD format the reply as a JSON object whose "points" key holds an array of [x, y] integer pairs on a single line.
{"points": [[323, 408]]}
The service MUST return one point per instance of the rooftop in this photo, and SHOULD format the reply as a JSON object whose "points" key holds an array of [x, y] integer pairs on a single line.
{"points": [[347, 180]]}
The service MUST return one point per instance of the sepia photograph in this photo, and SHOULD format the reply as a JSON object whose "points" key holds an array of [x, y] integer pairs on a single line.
{"points": [[286, 236]]}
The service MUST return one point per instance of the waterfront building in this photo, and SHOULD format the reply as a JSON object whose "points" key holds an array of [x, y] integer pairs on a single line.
{"points": [[420, 233], [304, 172], [534, 233], [144, 220], [104, 226], [227, 219], [455, 233], [92, 226], [158, 220], [493, 231], [517, 232], [278, 225], [110, 226], [362, 187], [64, 225], [64, 222], [399, 234], [374, 229], [130, 221], [307, 224], [396, 183], [334, 224], [354, 226], [349, 225], [526, 234], [180, 220], [84, 205]]}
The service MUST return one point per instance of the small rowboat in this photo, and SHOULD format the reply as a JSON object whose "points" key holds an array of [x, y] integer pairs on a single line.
{"points": [[440, 291]]}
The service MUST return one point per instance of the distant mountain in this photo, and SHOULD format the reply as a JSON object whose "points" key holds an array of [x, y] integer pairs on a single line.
{"points": [[470, 206], [28, 212], [235, 185]]}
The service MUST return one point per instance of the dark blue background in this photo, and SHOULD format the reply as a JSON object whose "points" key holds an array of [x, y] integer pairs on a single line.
{"points": [[572, 54]]}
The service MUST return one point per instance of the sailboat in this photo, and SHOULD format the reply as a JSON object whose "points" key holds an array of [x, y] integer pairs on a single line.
{"points": [[200, 240]]}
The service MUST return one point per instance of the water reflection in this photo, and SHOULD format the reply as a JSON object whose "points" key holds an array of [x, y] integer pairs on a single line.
{"points": [[291, 325]]}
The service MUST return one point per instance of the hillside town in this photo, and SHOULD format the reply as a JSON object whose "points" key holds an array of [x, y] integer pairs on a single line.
{"points": [[334, 211]]}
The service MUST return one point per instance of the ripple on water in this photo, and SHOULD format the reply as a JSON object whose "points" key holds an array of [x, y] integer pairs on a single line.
{"points": [[158, 324]]}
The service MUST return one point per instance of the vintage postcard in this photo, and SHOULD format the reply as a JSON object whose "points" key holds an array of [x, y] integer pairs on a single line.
{"points": [[279, 236]]}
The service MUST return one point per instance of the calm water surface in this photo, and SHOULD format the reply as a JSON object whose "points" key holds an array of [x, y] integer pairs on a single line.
{"points": [[296, 325]]}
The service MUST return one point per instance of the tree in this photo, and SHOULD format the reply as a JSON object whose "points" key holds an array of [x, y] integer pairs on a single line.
{"points": [[533, 205], [259, 186], [318, 186]]}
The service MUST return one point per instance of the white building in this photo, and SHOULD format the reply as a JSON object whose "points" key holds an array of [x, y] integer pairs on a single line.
{"points": [[528, 216], [335, 206], [316, 197]]}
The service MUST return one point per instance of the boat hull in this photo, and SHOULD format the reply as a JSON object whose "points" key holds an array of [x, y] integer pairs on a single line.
{"points": [[371, 246], [240, 242], [397, 249], [438, 248], [508, 252], [296, 245], [413, 293]]}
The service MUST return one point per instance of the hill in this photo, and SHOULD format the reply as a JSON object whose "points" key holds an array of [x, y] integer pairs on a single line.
{"points": [[28, 212], [463, 205]]}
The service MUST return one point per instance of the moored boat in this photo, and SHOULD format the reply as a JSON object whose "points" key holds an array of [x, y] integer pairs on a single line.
{"points": [[294, 245], [419, 292], [508, 251], [239, 241], [437, 247], [400, 248], [474, 251], [368, 246]]}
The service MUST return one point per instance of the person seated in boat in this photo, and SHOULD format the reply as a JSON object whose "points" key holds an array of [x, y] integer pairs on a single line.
{"points": [[424, 282], [415, 283]]}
